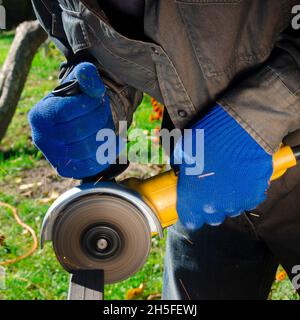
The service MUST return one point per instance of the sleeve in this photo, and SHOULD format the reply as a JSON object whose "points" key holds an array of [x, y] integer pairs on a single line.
{"points": [[266, 103], [124, 99]]}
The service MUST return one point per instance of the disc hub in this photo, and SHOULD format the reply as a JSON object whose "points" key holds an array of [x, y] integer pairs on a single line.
{"points": [[101, 242]]}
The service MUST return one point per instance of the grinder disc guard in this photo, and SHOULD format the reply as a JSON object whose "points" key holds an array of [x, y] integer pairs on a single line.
{"points": [[102, 232]]}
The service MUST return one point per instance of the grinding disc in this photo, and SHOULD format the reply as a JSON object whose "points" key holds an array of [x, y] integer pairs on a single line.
{"points": [[102, 210]]}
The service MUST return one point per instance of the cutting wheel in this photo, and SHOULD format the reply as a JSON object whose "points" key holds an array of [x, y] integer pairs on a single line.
{"points": [[102, 232]]}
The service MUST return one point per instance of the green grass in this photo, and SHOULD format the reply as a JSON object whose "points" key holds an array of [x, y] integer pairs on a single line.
{"points": [[6, 39], [40, 276]]}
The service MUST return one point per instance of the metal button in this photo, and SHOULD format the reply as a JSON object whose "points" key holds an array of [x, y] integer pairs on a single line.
{"points": [[182, 113], [155, 50]]}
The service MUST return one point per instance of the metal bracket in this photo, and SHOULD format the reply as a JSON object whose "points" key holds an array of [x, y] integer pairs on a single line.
{"points": [[86, 285]]}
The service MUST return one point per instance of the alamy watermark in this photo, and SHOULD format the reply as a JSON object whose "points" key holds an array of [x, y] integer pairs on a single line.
{"points": [[136, 147], [2, 16], [296, 17], [2, 278], [296, 278]]}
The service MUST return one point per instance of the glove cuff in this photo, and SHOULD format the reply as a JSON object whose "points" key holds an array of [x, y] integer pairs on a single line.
{"points": [[226, 134]]}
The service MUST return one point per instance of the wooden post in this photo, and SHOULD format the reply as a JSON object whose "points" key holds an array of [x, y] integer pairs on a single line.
{"points": [[86, 285], [29, 36]]}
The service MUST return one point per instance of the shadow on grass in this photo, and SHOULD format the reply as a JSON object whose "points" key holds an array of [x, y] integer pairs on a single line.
{"points": [[16, 153]]}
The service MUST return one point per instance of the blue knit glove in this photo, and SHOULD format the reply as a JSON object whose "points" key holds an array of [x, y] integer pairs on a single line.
{"points": [[65, 128], [235, 178]]}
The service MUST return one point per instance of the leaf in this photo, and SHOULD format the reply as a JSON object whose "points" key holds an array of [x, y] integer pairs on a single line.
{"points": [[18, 180], [53, 196], [154, 296], [281, 276], [135, 293], [2, 239], [28, 186]]}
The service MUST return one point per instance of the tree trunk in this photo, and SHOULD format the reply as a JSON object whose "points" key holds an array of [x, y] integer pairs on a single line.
{"points": [[29, 36]]}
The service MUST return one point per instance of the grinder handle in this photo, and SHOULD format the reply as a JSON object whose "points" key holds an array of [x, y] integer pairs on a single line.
{"points": [[160, 194], [286, 157]]}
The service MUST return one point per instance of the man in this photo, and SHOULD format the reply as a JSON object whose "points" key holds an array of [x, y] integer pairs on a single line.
{"points": [[231, 68]]}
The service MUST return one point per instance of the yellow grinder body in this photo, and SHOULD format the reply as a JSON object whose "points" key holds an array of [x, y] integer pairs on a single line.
{"points": [[160, 194]]}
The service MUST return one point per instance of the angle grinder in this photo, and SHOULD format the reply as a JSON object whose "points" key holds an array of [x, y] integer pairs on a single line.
{"points": [[108, 226]]}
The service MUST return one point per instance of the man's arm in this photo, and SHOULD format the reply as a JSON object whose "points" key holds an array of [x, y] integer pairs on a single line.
{"points": [[65, 128], [241, 133], [123, 98]]}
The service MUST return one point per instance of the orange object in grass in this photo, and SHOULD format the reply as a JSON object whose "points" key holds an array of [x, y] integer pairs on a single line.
{"points": [[157, 111], [135, 293], [281, 276]]}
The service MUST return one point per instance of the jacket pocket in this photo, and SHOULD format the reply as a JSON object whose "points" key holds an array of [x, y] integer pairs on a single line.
{"points": [[75, 30], [229, 36]]}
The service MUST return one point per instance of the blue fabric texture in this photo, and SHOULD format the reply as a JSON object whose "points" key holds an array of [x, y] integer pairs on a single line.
{"points": [[65, 128], [235, 178]]}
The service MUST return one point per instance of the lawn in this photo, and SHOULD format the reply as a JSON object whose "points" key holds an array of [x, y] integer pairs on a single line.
{"points": [[28, 183]]}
